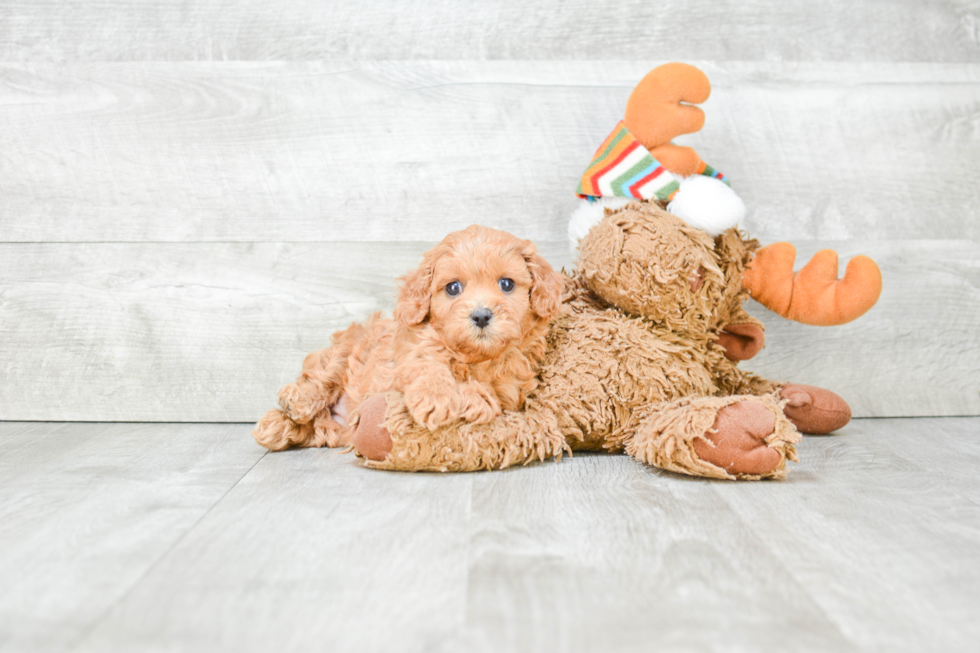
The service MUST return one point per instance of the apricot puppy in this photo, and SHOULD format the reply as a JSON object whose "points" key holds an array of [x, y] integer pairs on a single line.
{"points": [[467, 336]]}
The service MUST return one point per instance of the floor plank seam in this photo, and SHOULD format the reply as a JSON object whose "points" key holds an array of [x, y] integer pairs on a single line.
{"points": [[163, 556]]}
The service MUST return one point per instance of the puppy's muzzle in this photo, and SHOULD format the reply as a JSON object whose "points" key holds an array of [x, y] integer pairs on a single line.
{"points": [[481, 317]]}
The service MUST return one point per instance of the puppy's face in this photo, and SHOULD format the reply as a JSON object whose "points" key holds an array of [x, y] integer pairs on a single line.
{"points": [[481, 290], [480, 298]]}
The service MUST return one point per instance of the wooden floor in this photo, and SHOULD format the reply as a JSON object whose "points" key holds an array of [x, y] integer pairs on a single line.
{"points": [[180, 537]]}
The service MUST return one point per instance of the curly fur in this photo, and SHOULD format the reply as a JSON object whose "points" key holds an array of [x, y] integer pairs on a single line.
{"points": [[633, 362], [447, 367]]}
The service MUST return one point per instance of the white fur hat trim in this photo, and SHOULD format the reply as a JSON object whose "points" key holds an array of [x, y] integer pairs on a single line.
{"points": [[702, 202], [707, 204]]}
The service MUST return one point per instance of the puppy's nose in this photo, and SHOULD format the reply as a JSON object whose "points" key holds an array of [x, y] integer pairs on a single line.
{"points": [[481, 317]]}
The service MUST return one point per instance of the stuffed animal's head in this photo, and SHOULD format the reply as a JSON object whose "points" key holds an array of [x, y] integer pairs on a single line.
{"points": [[635, 162], [651, 263]]}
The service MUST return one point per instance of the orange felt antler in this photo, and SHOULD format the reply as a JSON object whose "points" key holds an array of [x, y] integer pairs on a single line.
{"points": [[813, 295], [655, 114]]}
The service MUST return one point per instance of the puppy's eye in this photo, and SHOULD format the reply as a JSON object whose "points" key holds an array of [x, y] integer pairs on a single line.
{"points": [[506, 284], [454, 288]]}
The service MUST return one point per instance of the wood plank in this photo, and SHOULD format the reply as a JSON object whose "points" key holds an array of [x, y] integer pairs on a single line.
{"points": [[312, 552], [86, 510], [767, 30], [209, 332], [383, 151], [886, 540], [176, 332], [595, 550], [860, 548], [615, 556], [947, 438]]}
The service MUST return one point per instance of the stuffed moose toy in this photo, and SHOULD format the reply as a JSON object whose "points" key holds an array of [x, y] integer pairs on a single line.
{"points": [[643, 356]]}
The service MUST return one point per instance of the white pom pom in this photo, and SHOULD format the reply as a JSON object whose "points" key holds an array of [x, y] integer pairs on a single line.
{"points": [[589, 214], [708, 204]]}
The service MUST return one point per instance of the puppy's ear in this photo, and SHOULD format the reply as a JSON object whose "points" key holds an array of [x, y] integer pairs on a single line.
{"points": [[546, 284], [413, 296]]}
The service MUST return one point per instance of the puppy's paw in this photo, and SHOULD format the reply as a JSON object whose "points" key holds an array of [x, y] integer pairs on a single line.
{"points": [[431, 409], [299, 403], [275, 431], [477, 402]]}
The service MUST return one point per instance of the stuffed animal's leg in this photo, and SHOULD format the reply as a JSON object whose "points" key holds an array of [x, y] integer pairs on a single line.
{"points": [[813, 410], [732, 437], [388, 438]]}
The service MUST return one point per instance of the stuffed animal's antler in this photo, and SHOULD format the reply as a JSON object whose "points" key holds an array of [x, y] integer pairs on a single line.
{"points": [[813, 295], [656, 112]]}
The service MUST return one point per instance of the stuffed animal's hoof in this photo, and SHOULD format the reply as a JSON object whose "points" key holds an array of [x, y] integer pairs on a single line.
{"points": [[737, 443], [370, 438], [813, 410]]}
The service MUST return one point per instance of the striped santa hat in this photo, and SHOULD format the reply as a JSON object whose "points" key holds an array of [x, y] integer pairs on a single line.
{"points": [[623, 169]]}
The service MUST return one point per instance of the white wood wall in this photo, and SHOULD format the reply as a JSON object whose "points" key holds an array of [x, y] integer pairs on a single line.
{"points": [[195, 194]]}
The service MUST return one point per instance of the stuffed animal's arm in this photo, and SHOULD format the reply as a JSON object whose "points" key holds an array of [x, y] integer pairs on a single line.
{"points": [[743, 337], [512, 438]]}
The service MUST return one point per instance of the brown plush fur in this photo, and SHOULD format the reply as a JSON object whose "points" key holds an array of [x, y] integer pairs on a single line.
{"points": [[446, 366], [633, 362]]}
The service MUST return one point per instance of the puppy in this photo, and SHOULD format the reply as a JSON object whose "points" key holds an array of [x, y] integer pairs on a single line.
{"points": [[467, 336]]}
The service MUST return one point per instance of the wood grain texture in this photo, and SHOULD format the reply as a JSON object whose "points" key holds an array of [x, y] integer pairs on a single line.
{"points": [[86, 510], [209, 332], [382, 151], [900, 492], [314, 552], [142, 332], [614, 556], [769, 30], [123, 537]]}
